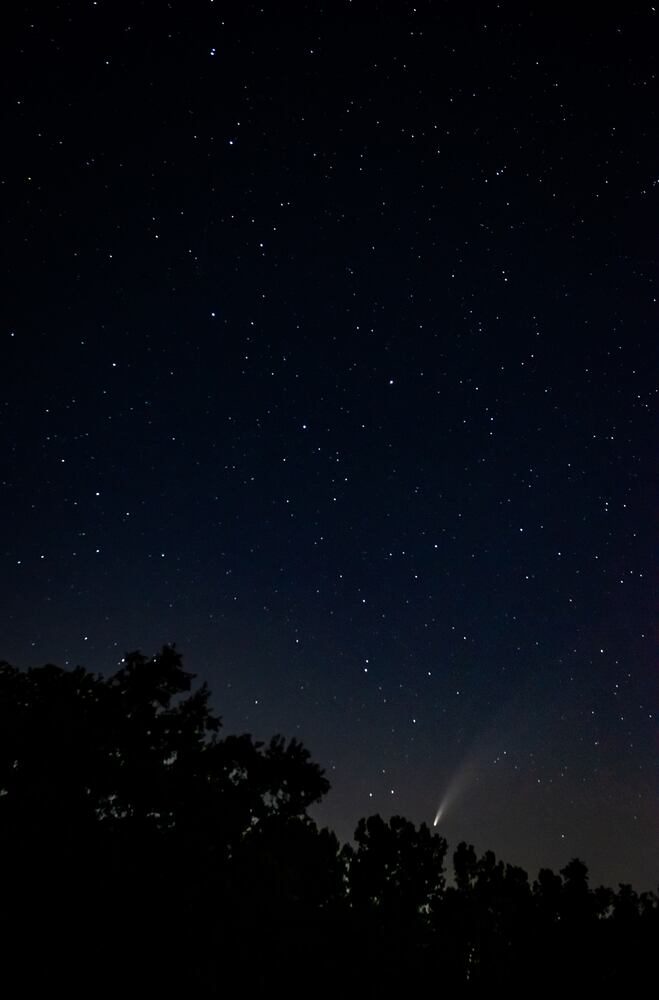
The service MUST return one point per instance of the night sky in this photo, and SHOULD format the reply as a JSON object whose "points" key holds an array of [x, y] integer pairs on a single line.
{"points": [[328, 346]]}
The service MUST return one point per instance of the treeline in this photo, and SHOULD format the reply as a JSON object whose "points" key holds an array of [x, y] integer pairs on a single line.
{"points": [[142, 851]]}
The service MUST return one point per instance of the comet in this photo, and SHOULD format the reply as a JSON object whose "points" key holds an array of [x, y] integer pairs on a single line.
{"points": [[455, 788]]}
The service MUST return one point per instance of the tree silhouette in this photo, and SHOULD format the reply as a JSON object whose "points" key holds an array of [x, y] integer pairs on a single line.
{"points": [[396, 867], [141, 849], [485, 916], [465, 866], [395, 879], [108, 786]]}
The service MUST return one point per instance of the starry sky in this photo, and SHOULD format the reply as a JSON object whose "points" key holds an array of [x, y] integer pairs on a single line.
{"points": [[328, 352]]}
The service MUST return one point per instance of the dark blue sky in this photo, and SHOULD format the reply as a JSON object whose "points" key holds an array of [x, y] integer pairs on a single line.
{"points": [[329, 352]]}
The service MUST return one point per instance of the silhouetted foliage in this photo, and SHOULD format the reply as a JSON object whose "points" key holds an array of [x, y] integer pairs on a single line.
{"points": [[465, 866], [142, 850], [395, 868], [118, 796]]}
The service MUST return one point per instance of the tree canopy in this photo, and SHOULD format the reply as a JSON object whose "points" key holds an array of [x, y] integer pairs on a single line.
{"points": [[137, 839]]}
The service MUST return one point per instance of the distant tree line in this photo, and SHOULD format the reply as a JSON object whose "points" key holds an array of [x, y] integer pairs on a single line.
{"points": [[142, 851]]}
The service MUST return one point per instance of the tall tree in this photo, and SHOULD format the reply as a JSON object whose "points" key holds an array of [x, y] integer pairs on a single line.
{"points": [[121, 803], [396, 867]]}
